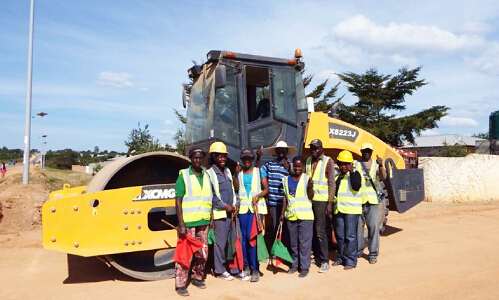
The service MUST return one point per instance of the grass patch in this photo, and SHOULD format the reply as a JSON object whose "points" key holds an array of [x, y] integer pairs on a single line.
{"points": [[54, 178]]}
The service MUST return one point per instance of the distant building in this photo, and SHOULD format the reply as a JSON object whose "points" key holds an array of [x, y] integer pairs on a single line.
{"points": [[430, 145]]}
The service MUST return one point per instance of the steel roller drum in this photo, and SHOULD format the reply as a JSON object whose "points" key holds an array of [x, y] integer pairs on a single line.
{"points": [[145, 169]]}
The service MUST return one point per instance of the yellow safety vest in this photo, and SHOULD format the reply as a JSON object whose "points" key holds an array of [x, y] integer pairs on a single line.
{"points": [[367, 191], [298, 207], [347, 201], [196, 204], [256, 189], [220, 213], [321, 189]]}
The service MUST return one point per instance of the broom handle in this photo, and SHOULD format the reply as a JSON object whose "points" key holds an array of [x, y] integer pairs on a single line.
{"points": [[169, 224]]}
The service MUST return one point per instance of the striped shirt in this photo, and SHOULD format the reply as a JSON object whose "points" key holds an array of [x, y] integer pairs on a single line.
{"points": [[274, 171]]}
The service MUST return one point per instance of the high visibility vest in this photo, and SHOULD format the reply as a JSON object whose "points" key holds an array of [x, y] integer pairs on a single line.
{"points": [[367, 191], [221, 213], [298, 207], [196, 204], [347, 201], [256, 188], [321, 190]]}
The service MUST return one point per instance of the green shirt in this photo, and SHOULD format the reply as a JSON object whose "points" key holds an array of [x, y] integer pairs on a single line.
{"points": [[180, 192]]}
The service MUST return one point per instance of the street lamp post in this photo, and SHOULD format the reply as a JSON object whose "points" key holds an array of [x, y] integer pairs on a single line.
{"points": [[42, 163], [42, 114], [28, 97]]}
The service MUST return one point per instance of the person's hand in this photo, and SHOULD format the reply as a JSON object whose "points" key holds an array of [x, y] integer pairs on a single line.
{"points": [[287, 165], [329, 208], [254, 200], [379, 161], [259, 152], [212, 223], [228, 208], [238, 168], [181, 230], [281, 218], [236, 209]]}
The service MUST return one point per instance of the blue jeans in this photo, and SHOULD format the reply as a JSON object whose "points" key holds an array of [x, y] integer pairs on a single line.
{"points": [[370, 215], [345, 228], [250, 253]]}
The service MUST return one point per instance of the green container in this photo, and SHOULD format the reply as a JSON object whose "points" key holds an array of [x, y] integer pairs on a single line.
{"points": [[494, 126]]}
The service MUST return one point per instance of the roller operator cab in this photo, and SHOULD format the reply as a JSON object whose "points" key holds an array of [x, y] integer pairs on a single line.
{"points": [[246, 101], [251, 101]]}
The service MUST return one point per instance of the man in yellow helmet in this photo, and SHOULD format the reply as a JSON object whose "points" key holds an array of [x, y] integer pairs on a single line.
{"points": [[225, 205], [372, 174], [347, 208]]}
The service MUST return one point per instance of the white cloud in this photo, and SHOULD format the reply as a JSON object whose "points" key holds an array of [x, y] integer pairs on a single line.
{"points": [[167, 132], [429, 132], [168, 122], [488, 62], [457, 122], [144, 89], [119, 80], [398, 43]]}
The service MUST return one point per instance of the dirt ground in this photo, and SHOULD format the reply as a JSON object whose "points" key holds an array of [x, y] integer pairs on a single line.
{"points": [[433, 251]]}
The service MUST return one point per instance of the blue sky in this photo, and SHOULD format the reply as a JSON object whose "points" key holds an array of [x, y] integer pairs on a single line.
{"points": [[101, 67]]}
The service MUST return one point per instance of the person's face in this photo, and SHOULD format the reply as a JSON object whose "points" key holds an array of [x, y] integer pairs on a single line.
{"points": [[366, 154], [197, 160], [315, 151], [220, 159], [247, 162], [344, 167], [298, 167], [281, 152]]}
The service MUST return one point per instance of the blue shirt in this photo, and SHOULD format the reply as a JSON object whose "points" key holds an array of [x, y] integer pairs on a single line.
{"points": [[247, 178], [292, 186], [275, 172]]}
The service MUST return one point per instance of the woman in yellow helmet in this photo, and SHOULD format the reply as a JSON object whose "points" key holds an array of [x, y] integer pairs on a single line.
{"points": [[225, 204], [347, 208]]}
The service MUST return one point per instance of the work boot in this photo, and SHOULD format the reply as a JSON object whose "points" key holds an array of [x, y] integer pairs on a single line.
{"points": [[255, 276], [182, 291], [303, 273], [292, 270], [198, 283], [247, 270], [372, 260]]}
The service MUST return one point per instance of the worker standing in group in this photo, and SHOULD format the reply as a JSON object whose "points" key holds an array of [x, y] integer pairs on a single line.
{"points": [[274, 171], [321, 169], [297, 209], [347, 208], [372, 174], [225, 205], [251, 192], [193, 197]]}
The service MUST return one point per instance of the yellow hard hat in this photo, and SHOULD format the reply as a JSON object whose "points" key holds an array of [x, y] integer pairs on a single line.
{"points": [[345, 156], [218, 147]]}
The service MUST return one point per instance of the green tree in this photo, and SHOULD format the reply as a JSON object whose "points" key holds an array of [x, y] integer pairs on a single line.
{"points": [[179, 137], [321, 99], [96, 151], [141, 141], [63, 159], [456, 150], [379, 95], [482, 135], [85, 159]]}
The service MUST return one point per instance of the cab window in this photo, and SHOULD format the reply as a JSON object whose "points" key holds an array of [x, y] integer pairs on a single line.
{"points": [[257, 93]]}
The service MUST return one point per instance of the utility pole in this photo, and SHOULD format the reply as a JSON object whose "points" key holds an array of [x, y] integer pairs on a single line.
{"points": [[42, 165], [28, 97]]}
